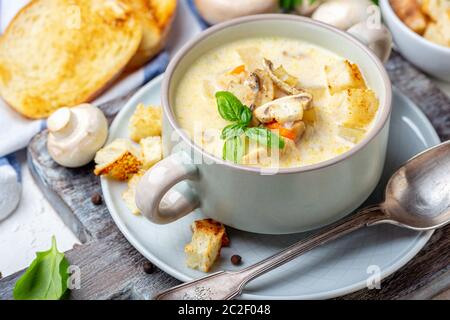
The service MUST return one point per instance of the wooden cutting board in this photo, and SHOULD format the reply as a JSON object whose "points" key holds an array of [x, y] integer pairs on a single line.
{"points": [[112, 269]]}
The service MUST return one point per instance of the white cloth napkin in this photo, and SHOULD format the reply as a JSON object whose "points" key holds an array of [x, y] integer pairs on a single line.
{"points": [[16, 131]]}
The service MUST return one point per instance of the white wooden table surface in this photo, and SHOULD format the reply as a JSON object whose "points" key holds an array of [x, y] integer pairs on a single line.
{"points": [[31, 226]]}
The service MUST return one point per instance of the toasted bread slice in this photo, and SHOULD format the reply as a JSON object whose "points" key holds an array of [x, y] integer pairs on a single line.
{"points": [[151, 151], [208, 238], [145, 122], [344, 75], [118, 160], [64, 52], [156, 17]]}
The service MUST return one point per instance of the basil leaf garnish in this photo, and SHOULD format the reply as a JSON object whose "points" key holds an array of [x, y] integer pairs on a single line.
{"points": [[264, 136], [46, 277], [232, 130], [233, 149], [246, 116], [230, 108]]}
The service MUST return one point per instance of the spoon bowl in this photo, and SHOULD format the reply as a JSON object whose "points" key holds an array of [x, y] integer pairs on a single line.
{"points": [[418, 194]]}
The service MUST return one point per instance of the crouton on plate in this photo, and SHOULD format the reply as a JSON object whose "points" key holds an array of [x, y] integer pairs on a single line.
{"points": [[118, 160], [151, 151], [145, 122], [208, 238], [129, 195]]}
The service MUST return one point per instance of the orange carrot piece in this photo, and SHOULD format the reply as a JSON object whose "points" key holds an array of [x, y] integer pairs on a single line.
{"points": [[284, 132], [238, 69]]}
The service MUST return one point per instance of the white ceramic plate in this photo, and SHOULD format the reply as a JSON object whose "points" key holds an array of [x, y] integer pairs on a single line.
{"points": [[338, 268]]}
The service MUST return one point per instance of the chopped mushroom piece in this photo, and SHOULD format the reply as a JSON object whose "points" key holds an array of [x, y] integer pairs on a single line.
{"points": [[282, 79], [266, 89], [287, 109], [256, 89]]}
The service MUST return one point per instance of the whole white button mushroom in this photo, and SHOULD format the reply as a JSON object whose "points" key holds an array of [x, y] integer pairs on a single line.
{"points": [[215, 11], [307, 7], [76, 134], [342, 13]]}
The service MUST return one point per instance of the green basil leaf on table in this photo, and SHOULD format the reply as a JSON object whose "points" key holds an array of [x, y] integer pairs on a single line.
{"points": [[232, 130], [230, 108], [264, 136], [233, 149], [46, 277]]}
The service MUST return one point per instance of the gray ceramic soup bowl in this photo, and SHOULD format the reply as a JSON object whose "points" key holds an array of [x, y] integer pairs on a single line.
{"points": [[291, 200]]}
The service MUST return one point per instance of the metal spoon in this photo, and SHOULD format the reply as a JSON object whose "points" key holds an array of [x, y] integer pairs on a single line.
{"points": [[416, 197]]}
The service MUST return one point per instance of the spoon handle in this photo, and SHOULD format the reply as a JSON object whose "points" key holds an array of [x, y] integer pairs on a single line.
{"points": [[227, 285], [361, 219]]}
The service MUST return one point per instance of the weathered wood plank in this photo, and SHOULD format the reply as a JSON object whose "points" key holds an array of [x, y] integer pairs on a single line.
{"points": [[112, 269]]}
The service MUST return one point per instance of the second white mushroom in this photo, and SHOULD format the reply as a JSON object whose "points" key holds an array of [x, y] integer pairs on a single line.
{"points": [[342, 13]]}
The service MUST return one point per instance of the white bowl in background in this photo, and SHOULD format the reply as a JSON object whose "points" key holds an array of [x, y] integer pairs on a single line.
{"points": [[430, 57]]}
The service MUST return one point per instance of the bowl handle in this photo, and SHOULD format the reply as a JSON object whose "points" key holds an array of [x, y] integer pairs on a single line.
{"points": [[378, 39], [158, 195]]}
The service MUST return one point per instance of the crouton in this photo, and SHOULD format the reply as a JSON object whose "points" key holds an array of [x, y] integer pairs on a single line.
{"points": [[344, 75], [151, 151], [435, 9], [434, 33], [410, 13], [145, 122], [118, 160], [208, 238], [438, 31], [360, 108], [129, 195]]}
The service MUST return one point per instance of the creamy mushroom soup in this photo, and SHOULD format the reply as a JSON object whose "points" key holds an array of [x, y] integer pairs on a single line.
{"points": [[249, 99]]}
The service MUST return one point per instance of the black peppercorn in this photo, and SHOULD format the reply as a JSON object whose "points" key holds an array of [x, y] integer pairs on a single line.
{"points": [[236, 260], [148, 267], [97, 199]]}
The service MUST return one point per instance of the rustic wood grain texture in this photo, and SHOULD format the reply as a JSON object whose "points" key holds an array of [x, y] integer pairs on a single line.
{"points": [[112, 269]]}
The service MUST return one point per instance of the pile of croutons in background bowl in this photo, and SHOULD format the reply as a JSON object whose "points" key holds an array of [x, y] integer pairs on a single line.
{"points": [[429, 18], [421, 31]]}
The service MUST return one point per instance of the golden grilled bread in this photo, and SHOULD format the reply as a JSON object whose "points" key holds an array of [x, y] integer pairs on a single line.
{"points": [[65, 52], [156, 17]]}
